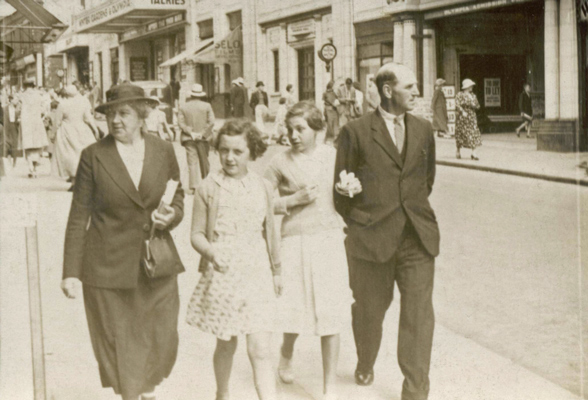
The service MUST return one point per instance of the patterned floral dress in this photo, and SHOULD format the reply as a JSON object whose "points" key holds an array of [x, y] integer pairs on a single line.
{"points": [[467, 133], [241, 300]]}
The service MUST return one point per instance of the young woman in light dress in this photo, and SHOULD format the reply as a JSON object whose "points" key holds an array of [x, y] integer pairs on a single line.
{"points": [[233, 230], [317, 299]]}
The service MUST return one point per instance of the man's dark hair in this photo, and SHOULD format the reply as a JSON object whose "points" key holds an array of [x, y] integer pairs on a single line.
{"points": [[260, 83], [288, 87], [348, 81]]}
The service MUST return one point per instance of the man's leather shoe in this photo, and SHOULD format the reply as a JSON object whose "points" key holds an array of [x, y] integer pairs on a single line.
{"points": [[364, 378]]}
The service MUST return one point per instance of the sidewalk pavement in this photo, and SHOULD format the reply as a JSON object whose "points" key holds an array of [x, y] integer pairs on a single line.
{"points": [[506, 154], [461, 369]]}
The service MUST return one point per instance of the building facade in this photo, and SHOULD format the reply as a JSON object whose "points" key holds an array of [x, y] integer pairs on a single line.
{"points": [[500, 44]]}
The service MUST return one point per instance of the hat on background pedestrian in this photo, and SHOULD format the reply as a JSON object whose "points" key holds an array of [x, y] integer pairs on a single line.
{"points": [[124, 93], [240, 80], [260, 83], [70, 90], [156, 99], [467, 83], [197, 91], [440, 82]]}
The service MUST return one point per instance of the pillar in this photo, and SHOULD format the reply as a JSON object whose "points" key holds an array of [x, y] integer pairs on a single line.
{"points": [[343, 38], [320, 74], [568, 61], [551, 60], [409, 48], [39, 78], [429, 62], [284, 58], [122, 62], [250, 31], [398, 42]]}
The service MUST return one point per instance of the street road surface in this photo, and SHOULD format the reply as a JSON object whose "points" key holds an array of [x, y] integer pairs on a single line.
{"points": [[506, 300]]}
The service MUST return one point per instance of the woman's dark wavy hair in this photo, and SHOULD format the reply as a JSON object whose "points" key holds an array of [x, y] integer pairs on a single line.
{"points": [[242, 126], [311, 114]]}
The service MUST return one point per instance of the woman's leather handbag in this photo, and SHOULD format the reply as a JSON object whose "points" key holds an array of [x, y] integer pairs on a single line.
{"points": [[161, 256]]}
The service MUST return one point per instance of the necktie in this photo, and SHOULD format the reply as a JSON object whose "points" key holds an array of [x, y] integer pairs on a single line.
{"points": [[399, 134]]}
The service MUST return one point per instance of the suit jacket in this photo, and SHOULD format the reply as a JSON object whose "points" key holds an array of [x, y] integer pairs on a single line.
{"points": [[255, 99], [394, 190], [196, 116], [110, 219]]}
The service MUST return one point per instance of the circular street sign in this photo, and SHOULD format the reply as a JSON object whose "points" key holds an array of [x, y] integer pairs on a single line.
{"points": [[60, 73], [328, 52]]}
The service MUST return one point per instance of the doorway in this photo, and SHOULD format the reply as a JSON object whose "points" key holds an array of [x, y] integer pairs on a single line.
{"points": [[306, 88], [508, 73]]}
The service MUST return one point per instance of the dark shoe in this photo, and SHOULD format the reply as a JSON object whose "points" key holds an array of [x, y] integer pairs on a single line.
{"points": [[364, 378], [475, 158]]}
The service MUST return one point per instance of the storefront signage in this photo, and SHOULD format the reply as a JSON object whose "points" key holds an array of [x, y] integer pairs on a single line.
{"points": [[472, 8], [70, 41], [138, 69], [300, 28], [492, 92], [112, 9], [449, 92], [152, 27], [230, 49], [583, 10]]}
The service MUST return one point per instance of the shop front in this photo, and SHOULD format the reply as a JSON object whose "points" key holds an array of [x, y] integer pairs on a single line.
{"points": [[498, 45], [582, 6], [150, 32], [375, 47]]}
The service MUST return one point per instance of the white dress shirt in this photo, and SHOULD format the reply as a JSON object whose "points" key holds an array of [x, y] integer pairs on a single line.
{"points": [[389, 120], [133, 157]]}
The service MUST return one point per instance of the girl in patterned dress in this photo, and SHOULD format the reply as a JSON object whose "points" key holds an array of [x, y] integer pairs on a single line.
{"points": [[467, 133], [233, 230]]}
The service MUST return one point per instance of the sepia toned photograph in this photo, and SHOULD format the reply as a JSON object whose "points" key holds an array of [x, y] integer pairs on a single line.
{"points": [[294, 199]]}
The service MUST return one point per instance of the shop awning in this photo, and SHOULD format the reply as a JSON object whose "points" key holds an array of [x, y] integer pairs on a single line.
{"points": [[38, 18], [117, 16], [188, 54], [205, 56]]}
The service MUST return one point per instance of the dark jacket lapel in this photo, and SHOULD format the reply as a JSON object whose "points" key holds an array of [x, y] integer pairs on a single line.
{"points": [[413, 138], [152, 166], [115, 167], [382, 136]]}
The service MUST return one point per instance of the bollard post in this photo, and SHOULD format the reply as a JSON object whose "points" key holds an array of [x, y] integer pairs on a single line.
{"points": [[34, 283]]}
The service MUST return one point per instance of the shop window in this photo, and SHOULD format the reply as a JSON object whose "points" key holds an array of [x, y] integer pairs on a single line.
{"points": [[114, 73], [276, 54], [234, 19], [205, 29]]}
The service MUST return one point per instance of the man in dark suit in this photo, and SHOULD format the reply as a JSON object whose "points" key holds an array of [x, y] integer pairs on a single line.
{"points": [[237, 97], [392, 230]]}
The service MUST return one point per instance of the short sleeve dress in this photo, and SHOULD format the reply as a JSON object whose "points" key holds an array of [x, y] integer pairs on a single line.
{"points": [[241, 300], [316, 298]]}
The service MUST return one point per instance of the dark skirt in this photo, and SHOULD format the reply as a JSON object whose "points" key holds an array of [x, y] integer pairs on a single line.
{"points": [[134, 333]]}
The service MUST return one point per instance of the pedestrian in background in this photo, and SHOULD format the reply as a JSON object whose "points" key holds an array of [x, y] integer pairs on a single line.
{"points": [[33, 137], [290, 96], [132, 319], [10, 121], [196, 120], [233, 230], [316, 296], [439, 107], [259, 104], [237, 98], [76, 130], [359, 98], [281, 131], [346, 96], [372, 96], [331, 103], [467, 133], [526, 110], [156, 122]]}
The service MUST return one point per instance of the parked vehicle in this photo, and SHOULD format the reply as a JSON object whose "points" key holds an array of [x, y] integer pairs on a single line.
{"points": [[163, 92]]}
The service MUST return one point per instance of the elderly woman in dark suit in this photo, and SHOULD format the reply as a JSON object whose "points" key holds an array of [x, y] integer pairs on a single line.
{"points": [[118, 187]]}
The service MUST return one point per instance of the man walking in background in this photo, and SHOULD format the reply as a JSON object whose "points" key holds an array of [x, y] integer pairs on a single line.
{"points": [[392, 230], [196, 120], [237, 97]]}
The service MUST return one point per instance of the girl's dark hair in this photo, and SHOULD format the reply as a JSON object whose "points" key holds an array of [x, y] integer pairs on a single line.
{"points": [[282, 100], [242, 126], [307, 110]]}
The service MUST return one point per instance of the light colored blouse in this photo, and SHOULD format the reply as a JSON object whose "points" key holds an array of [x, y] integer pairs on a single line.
{"points": [[133, 157], [290, 172]]}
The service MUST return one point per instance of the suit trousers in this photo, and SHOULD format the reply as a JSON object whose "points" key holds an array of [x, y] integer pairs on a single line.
{"points": [[197, 157], [412, 268]]}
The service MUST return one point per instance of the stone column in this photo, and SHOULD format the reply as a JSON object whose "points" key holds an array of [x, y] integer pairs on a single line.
{"points": [[551, 60], [398, 42], [284, 57], [320, 73], [250, 32], [263, 61], [343, 38], [568, 61], [122, 62], [429, 62], [409, 48]]}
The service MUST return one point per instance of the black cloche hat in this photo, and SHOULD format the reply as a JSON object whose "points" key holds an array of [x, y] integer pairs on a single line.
{"points": [[124, 93]]}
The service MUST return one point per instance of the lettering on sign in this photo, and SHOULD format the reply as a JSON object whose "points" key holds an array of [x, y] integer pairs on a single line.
{"points": [[583, 10], [492, 92], [169, 2], [300, 28], [138, 69], [472, 8]]}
